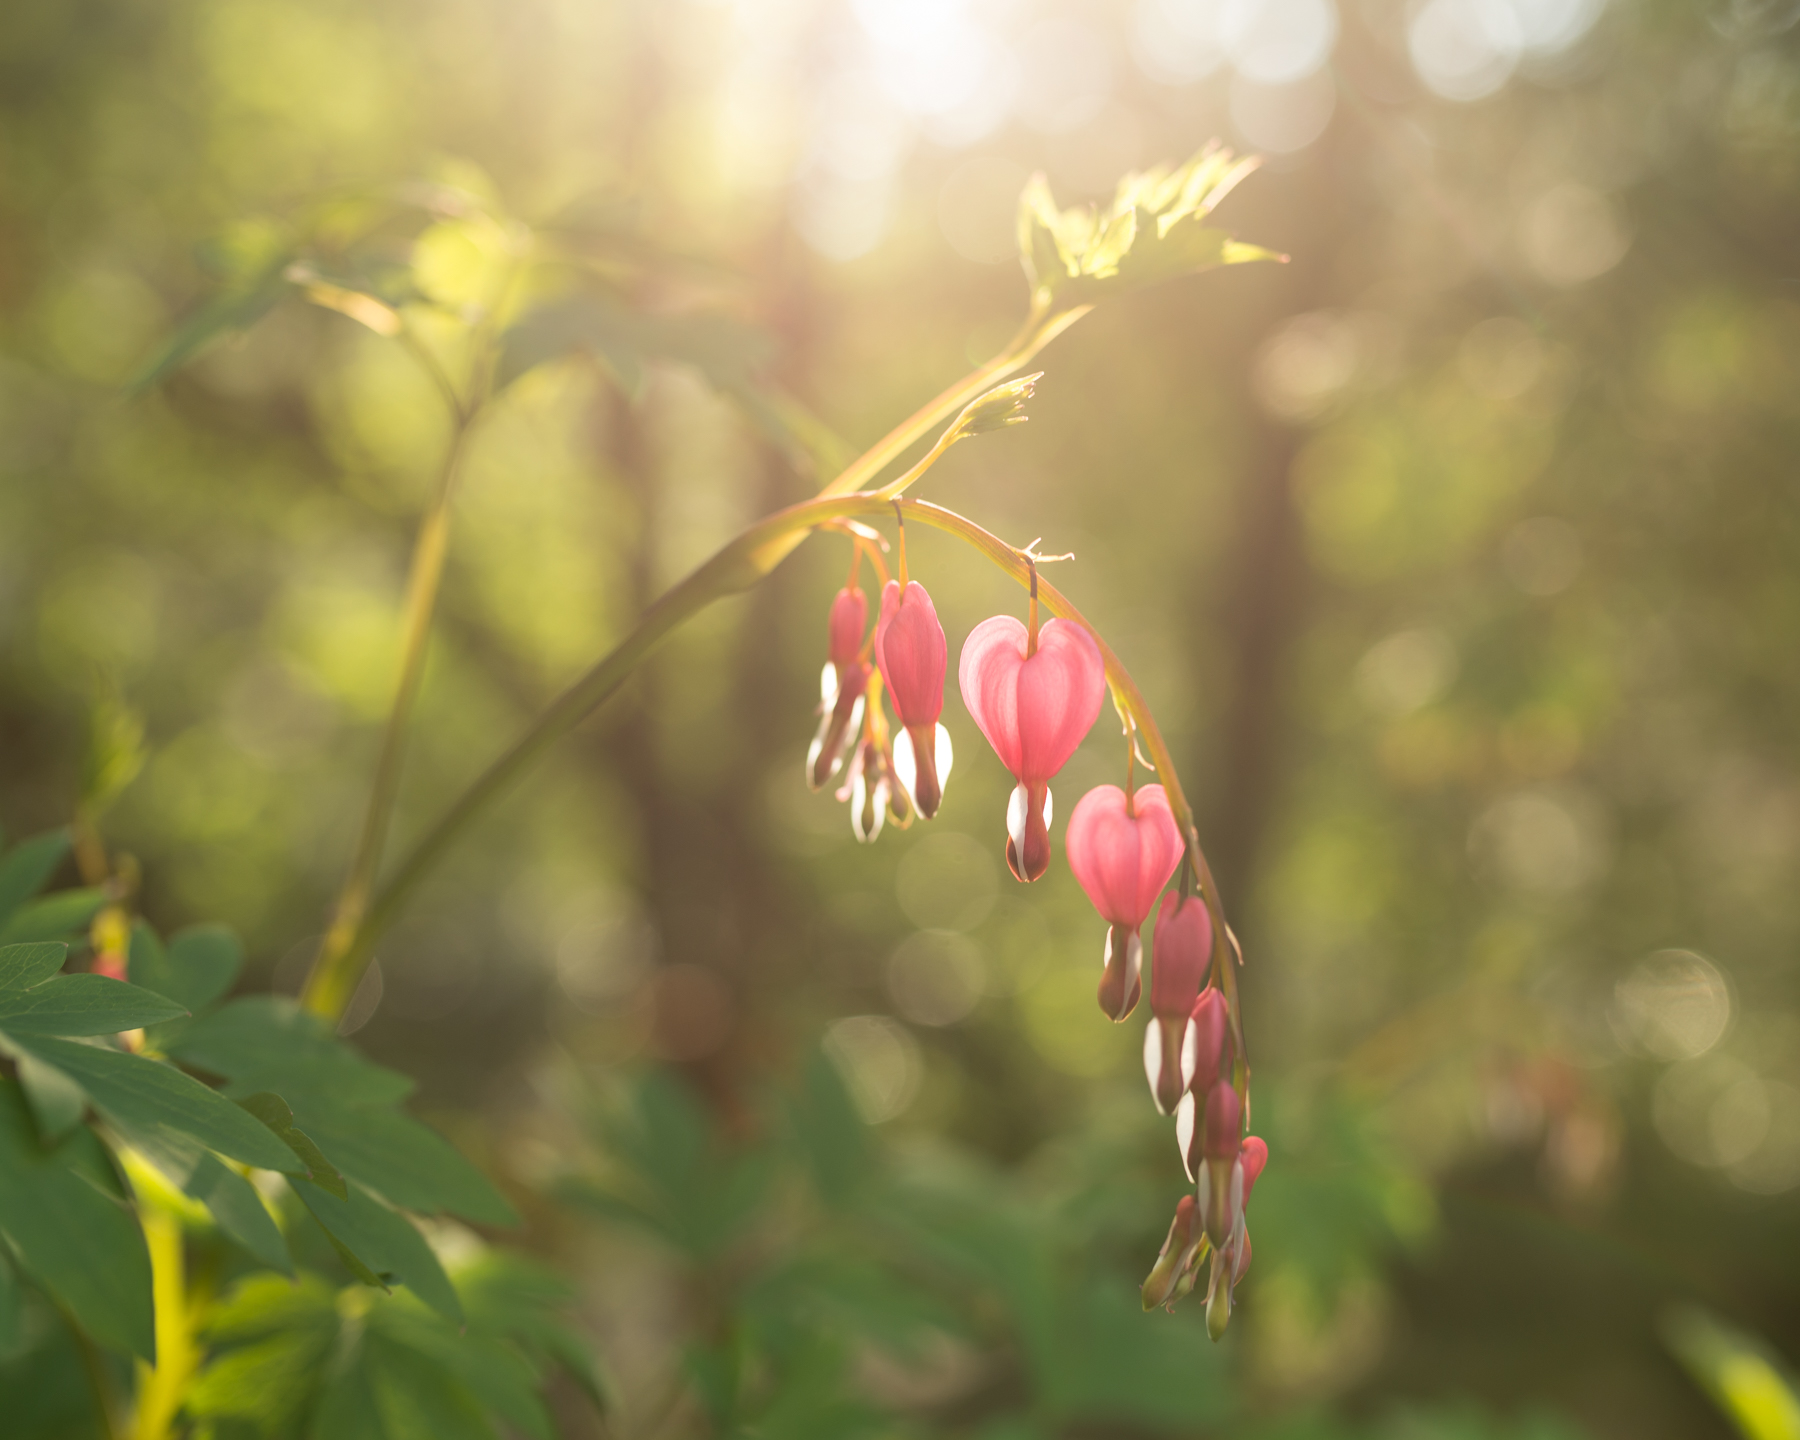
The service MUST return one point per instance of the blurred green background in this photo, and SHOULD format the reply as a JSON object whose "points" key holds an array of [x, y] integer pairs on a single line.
{"points": [[1457, 558]]}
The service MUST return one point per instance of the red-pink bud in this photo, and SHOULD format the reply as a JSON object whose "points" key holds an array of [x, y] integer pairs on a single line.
{"points": [[1224, 1124], [1255, 1156], [843, 688], [912, 654], [1203, 1047], [1176, 1257], [1123, 853], [1033, 710], [1243, 1252], [1180, 951], [849, 618]]}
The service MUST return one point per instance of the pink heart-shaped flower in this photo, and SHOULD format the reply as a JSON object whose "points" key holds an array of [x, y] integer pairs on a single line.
{"points": [[1122, 859], [1034, 711]]}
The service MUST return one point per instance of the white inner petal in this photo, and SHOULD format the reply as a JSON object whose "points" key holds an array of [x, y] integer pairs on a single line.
{"points": [[945, 758], [1015, 820], [1153, 1055], [828, 685], [1184, 1131], [905, 763]]}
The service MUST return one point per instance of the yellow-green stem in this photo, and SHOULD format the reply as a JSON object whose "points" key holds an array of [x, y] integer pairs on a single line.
{"points": [[333, 979], [162, 1386]]}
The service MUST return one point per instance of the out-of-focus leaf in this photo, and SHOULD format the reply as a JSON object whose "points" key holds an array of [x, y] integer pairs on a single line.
{"points": [[22, 966], [76, 1240], [832, 1135], [140, 1091], [57, 1102], [294, 1326], [495, 1372], [82, 1005], [673, 1178], [341, 1101], [416, 1397], [1744, 1378], [229, 313], [114, 756], [26, 868], [55, 917], [504, 1295], [196, 968], [729, 353], [386, 1242], [266, 1042], [1154, 230], [12, 1305]]}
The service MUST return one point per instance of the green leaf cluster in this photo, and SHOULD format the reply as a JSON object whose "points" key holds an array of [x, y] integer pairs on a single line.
{"points": [[1155, 229]]}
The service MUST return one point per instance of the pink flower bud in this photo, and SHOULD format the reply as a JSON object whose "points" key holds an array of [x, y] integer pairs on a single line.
{"points": [[1181, 949], [912, 654], [1034, 710], [1255, 1156], [1224, 1123], [1123, 853], [849, 618], [1204, 1046]]}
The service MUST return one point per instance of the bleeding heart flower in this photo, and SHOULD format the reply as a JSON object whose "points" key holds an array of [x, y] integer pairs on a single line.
{"points": [[1034, 705], [1221, 1177], [869, 788], [1123, 851], [1181, 951], [912, 654], [842, 685], [1176, 1260]]}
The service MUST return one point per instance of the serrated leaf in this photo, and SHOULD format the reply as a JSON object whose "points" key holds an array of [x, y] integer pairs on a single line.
{"points": [[196, 967], [82, 1005], [12, 1305], [27, 867], [81, 1244], [22, 966], [54, 917], [57, 1102], [140, 1091], [385, 1241]]}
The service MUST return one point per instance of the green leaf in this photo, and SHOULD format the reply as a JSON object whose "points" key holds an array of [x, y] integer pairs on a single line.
{"points": [[77, 1241], [1742, 1375], [57, 1102], [1154, 230], [239, 1211], [22, 966], [82, 1005], [229, 313], [12, 1306], [406, 1162], [385, 1241], [419, 1399], [508, 1296], [27, 867], [495, 1371], [343, 1102], [139, 1091], [832, 1135], [348, 1408], [273, 1111], [55, 917], [267, 1042], [271, 1382], [198, 966]]}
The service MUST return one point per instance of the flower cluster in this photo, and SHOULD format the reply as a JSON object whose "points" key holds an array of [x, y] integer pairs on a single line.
{"points": [[1035, 690]]}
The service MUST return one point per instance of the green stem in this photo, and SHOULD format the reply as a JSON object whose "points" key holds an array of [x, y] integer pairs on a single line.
{"points": [[737, 567], [333, 977]]}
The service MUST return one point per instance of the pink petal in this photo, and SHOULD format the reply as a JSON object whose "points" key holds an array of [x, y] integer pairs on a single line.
{"points": [[1180, 952], [912, 653], [1060, 690], [1123, 861], [988, 677]]}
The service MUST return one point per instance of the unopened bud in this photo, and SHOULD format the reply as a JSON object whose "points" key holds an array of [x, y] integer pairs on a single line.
{"points": [[1002, 406], [1255, 1155], [849, 618], [1177, 1255]]}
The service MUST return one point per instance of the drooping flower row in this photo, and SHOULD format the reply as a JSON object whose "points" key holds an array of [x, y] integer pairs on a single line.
{"points": [[1035, 691]]}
